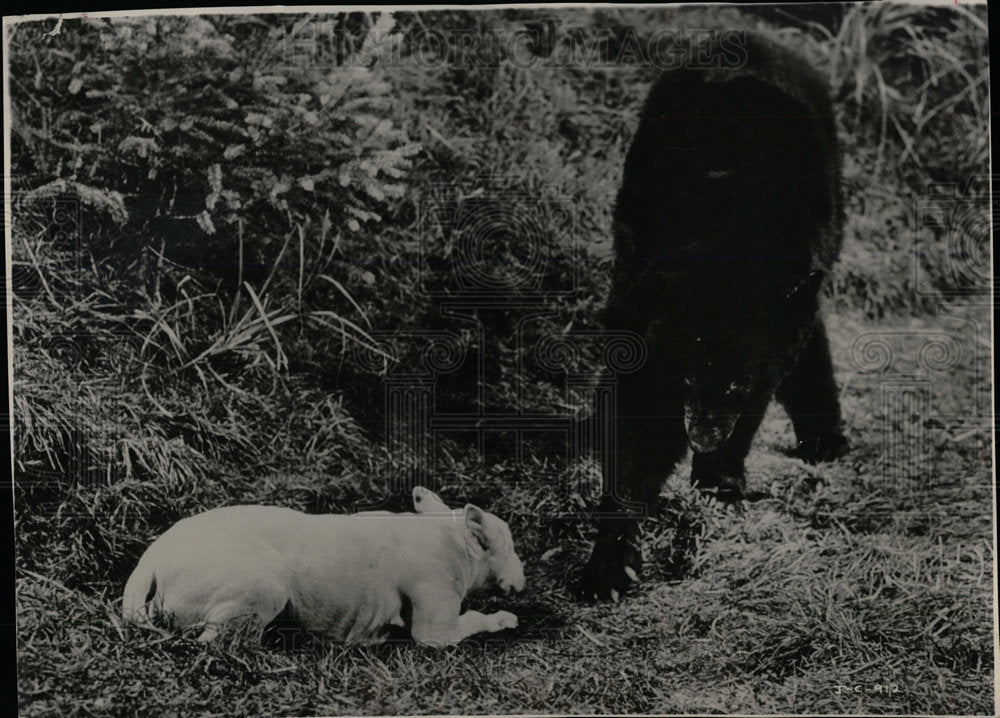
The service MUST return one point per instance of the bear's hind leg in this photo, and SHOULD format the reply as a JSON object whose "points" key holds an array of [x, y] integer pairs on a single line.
{"points": [[809, 395]]}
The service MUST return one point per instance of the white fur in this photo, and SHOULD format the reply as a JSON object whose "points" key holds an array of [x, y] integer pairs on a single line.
{"points": [[342, 575]]}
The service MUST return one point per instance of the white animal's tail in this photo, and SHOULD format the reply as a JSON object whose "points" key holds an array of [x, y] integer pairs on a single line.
{"points": [[139, 590]]}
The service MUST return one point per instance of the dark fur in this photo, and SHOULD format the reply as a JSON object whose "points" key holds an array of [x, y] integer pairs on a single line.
{"points": [[728, 220]]}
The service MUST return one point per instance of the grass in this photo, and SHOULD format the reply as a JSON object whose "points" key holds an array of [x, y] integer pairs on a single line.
{"points": [[210, 389], [837, 580]]}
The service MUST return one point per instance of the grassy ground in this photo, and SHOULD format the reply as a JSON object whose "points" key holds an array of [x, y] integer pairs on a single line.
{"points": [[863, 585], [838, 581]]}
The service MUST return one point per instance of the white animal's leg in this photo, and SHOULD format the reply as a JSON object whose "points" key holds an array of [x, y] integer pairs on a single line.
{"points": [[209, 634], [435, 616], [262, 608], [473, 622], [436, 619]]}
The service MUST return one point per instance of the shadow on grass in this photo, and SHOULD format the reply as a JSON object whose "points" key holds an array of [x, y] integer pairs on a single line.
{"points": [[537, 620]]}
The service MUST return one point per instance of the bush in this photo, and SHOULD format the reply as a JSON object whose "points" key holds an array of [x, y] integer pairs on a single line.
{"points": [[183, 193], [213, 213]]}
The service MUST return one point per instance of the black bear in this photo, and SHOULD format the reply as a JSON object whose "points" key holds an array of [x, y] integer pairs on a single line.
{"points": [[727, 222]]}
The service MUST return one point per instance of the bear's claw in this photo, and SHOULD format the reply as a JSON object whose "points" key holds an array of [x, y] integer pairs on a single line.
{"points": [[613, 568]]}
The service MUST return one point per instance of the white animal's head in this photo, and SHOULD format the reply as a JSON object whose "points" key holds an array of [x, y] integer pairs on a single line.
{"points": [[500, 564], [503, 568]]}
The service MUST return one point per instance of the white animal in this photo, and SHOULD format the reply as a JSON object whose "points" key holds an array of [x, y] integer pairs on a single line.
{"points": [[346, 576]]}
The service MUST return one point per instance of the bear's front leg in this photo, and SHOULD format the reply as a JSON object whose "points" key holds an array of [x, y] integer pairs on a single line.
{"points": [[616, 560], [721, 473], [650, 441]]}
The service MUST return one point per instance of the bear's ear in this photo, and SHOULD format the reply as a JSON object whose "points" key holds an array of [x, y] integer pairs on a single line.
{"points": [[808, 287], [801, 300]]}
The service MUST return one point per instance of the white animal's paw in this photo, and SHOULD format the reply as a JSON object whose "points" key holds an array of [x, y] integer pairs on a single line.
{"points": [[503, 620]]}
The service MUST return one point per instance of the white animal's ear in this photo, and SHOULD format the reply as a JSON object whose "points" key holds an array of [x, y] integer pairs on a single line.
{"points": [[475, 520], [426, 501]]}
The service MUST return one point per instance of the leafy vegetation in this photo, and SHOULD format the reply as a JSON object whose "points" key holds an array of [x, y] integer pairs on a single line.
{"points": [[215, 216]]}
